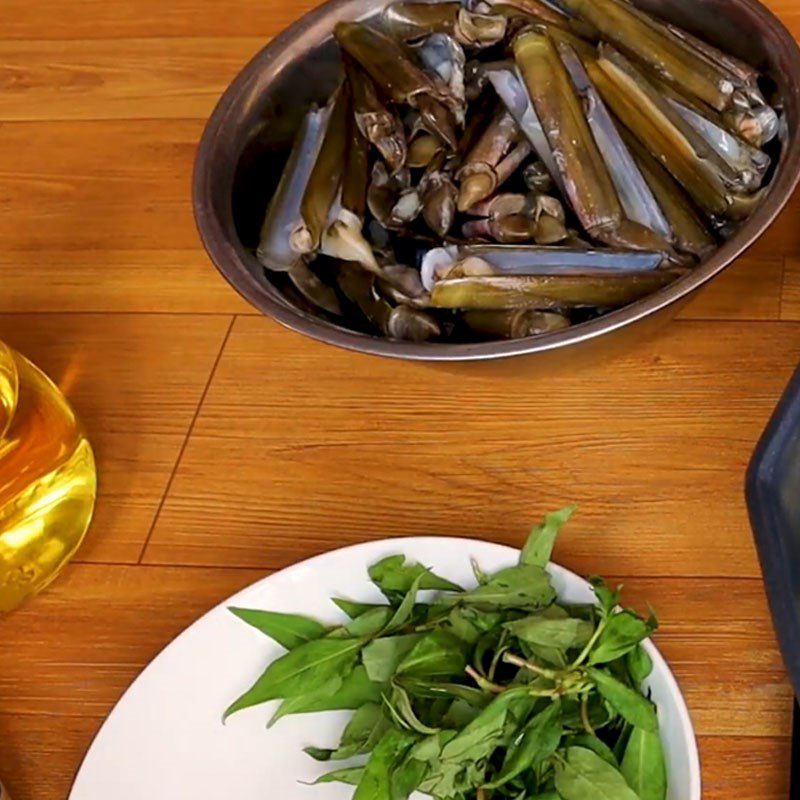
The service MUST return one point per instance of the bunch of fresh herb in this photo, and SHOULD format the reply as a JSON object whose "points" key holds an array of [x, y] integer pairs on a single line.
{"points": [[493, 692]]}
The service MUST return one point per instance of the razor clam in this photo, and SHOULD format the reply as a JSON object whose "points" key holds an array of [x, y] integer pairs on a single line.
{"points": [[412, 324], [325, 179], [441, 54], [587, 182], [670, 57], [410, 21], [542, 12], [689, 232], [514, 324], [635, 195], [384, 192], [313, 289], [589, 290], [283, 213], [750, 162], [694, 164], [515, 260], [403, 285], [343, 237], [477, 174], [399, 322], [388, 64], [422, 149], [380, 125], [438, 194], [511, 90], [756, 124]]}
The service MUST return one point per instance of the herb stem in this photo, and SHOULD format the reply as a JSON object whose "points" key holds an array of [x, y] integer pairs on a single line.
{"points": [[484, 683], [590, 644], [510, 658], [587, 725]]}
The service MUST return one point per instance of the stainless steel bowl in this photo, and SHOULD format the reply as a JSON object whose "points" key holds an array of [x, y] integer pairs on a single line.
{"points": [[250, 132]]}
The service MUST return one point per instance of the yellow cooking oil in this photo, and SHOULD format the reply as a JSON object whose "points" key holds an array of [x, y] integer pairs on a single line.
{"points": [[48, 480]]}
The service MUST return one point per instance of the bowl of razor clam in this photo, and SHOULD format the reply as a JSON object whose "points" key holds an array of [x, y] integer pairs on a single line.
{"points": [[463, 181]]}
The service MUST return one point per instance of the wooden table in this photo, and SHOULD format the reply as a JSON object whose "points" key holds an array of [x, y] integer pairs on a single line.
{"points": [[229, 447]]}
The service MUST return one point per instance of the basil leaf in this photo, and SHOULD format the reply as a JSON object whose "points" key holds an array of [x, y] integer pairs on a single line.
{"points": [[538, 742], [559, 634], [608, 599], [644, 766], [583, 775], [361, 735], [594, 744], [309, 668], [632, 706], [639, 664], [365, 625], [424, 689], [539, 547], [353, 609], [524, 586], [406, 608], [382, 656], [622, 632], [288, 630], [394, 575], [349, 775], [436, 655], [400, 705], [376, 781], [407, 777], [348, 694]]}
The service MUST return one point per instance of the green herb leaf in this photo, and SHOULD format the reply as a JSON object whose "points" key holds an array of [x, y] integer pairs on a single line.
{"points": [[309, 668], [382, 656], [349, 775], [594, 744], [559, 634], [582, 775], [608, 599], [644, 766], [424, 688], [366, 625], [539, 547], [632, 706], [403, 711], [353, 609], [524, 586], [394, 575], [288, 630], [406, 608], [622, 632], [436, 655], [348, 694], [376, 781], [539, 741], [640, 665], [361, 735]]}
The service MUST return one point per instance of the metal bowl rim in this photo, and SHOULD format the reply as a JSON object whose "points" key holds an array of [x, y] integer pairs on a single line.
{"points": [[230, 257]]}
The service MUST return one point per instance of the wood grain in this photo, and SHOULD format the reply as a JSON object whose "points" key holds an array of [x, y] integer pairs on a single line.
{"points": [[97, 186], [345, 448], [136, 382], [298, 448], [91, 621], [115, 281], [118, 79]]}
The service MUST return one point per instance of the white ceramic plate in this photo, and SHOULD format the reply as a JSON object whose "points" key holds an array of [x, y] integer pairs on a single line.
{"points": [[165, 740]]}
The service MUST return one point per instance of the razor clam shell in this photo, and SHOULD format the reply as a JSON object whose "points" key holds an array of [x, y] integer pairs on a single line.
{"points": [[313, 289], [540, 260], [511, 90], [441, 54], [283, 213], [412, 324], [637, 200], [751, 163]]}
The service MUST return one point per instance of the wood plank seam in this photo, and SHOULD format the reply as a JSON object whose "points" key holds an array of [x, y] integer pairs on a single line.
{"points": [[187, 437]]}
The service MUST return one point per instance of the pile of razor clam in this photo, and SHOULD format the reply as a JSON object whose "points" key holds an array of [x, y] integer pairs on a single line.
{"points": [[507, 168]]}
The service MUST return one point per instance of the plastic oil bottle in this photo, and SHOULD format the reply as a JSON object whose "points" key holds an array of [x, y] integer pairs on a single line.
{"points": [[48, 480]]}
